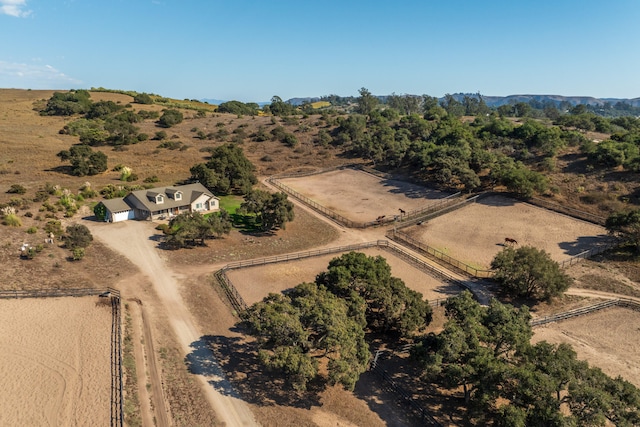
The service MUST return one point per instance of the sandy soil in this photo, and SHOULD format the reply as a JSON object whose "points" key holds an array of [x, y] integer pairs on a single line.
{"points": [[134, 240], [55, 362], [255, 283], [607, 339], [474, 234], [360, 196]]}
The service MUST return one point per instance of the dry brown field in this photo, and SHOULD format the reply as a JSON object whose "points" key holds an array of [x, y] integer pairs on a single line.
{"points": [[55, 362], [255, 283], [475, 233], [361, 196], [607, 339]]}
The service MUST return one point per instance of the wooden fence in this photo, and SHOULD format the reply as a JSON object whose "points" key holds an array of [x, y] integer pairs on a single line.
{"points": [[575, 213], [238, 303], [618, 302], [117, 400]]}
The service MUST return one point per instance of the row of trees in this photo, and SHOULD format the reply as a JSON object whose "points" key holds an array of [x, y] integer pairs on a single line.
{"points": [[507, 381], [328, 320]]}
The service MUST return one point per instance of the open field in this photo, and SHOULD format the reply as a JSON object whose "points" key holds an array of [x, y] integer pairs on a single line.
{"points": [[607, 339], [55, 362], [255, 283], [360, 196], [475, 233]]}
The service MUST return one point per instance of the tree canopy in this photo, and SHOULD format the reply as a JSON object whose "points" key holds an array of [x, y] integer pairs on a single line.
{"points": [[272, 211], [625, 225], [390, 305], [529, 272], [84, 161], [507, 381], [228, 171], [308, 323], [193, 228], [329, 319]]}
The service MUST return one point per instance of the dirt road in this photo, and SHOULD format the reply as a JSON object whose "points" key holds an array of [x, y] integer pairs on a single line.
{"points": [[133, 239]]}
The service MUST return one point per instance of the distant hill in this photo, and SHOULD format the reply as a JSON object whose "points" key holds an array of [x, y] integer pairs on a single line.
{"points": [[496, 101], [491, 101], [220, 101]]}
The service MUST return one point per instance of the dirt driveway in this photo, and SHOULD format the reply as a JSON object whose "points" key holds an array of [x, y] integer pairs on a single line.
{"points": [[134, 240]]}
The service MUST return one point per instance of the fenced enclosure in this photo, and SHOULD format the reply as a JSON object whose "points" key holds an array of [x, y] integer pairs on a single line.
{"points": [[117, 400], [238, 303], [408, 214]]}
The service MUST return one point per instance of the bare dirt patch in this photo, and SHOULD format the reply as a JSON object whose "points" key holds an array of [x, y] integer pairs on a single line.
{"points": [[361, 196], [606, 339], [475, 233], [255, 283], [55, 362]]}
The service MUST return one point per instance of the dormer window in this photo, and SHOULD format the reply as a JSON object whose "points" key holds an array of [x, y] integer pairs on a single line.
{"points": [[159, 199], [174, 194]]}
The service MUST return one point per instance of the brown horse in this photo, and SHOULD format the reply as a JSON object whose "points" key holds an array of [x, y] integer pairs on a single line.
{"points": [[510, 241]]}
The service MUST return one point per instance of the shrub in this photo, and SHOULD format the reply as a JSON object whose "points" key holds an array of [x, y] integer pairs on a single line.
{"points": [[151, 179], [12, 220], [32, 230], [170, 118], [78, 254], [17, 189], [78, 236]]}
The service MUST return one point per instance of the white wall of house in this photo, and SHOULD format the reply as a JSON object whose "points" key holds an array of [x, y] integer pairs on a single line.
{"points": [[200, 204]]}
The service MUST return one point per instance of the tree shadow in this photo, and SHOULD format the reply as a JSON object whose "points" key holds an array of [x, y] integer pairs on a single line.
{"points": [[586, 243], [497, 201], [232, 367], [67, 170], [411, 191], [407, 375]]}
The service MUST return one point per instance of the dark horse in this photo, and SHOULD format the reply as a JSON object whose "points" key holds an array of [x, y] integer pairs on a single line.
{"points": [[509, 240]]}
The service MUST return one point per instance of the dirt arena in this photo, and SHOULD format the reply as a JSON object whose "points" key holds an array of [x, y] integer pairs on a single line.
{"points": [[55, 362], [361, 196], [475, 233], [255, 283], [607, 339]]}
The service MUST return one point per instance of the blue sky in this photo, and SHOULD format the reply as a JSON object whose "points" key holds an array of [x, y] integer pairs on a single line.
{"points": [[251, 50]]}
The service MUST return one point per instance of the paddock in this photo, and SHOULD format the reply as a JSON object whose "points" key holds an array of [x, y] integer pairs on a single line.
{"points": [[255, 283], [361, 196], [607, 339], [475, 233], [55, 361]]}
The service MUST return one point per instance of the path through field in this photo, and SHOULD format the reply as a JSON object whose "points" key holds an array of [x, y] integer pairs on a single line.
{"points": [[133, 239]]}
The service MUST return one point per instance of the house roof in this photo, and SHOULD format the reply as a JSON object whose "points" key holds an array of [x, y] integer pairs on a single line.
{"points": [[116, 205], [145, 199]]}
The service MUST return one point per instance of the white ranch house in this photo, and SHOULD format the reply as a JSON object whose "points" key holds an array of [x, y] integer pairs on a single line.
{"points": [[161, 203]]}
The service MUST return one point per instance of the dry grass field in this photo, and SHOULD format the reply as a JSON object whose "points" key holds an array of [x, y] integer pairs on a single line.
{"points": [[607, 339], [360, 196], [475, 233], [255, 283], [55, 362]]}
